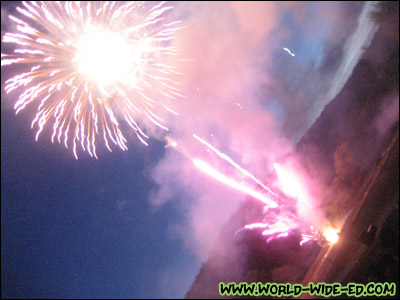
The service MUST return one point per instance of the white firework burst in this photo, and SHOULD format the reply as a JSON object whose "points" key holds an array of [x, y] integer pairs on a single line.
{"points": [[89, 65]]}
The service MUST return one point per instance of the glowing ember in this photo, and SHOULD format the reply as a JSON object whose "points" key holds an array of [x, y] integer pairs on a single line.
{"points": [[331, 235]]}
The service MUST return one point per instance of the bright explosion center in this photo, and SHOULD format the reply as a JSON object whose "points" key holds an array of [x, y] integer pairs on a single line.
{"points": [[104, 57]]}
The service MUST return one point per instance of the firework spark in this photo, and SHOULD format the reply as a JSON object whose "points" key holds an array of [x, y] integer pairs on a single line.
{"points": [[281, 229], [228, 159], [288, 51], [206, 168], [212, 172], [291, 184], [90, 64]]}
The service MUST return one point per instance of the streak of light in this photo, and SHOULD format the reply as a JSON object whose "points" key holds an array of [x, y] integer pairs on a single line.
{"points": [[206, 168], [290, 184], [288, 51], [228, 159]]}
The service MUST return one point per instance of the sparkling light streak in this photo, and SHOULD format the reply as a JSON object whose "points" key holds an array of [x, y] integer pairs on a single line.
{"points": [[276, 228], [255, 225], [228, 159], [305, 238], [89, 65], [209, 170], [206, 168], [288, 51], [291, 185]]}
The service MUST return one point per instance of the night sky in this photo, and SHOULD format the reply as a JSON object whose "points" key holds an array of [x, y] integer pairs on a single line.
{"points": [[80, 228], [114, 227]]}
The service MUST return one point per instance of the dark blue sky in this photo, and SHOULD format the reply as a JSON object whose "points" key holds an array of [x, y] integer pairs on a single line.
{"points": [[79, 228]]}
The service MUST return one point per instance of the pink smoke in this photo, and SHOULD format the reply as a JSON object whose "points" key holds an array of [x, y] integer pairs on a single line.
{"points": [[222, 40], [227, 46]]}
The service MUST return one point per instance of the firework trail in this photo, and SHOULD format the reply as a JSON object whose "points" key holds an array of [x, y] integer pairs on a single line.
{"points": [[291, 185], [228, 159], [206, 168], [89, 64], [212, 172]]}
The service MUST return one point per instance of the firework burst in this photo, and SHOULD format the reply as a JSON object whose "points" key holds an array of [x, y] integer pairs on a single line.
{"points": [[91, 64]]}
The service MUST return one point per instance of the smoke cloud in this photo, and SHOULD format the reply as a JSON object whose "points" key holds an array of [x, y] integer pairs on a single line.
{"points": [[248, 97]]}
